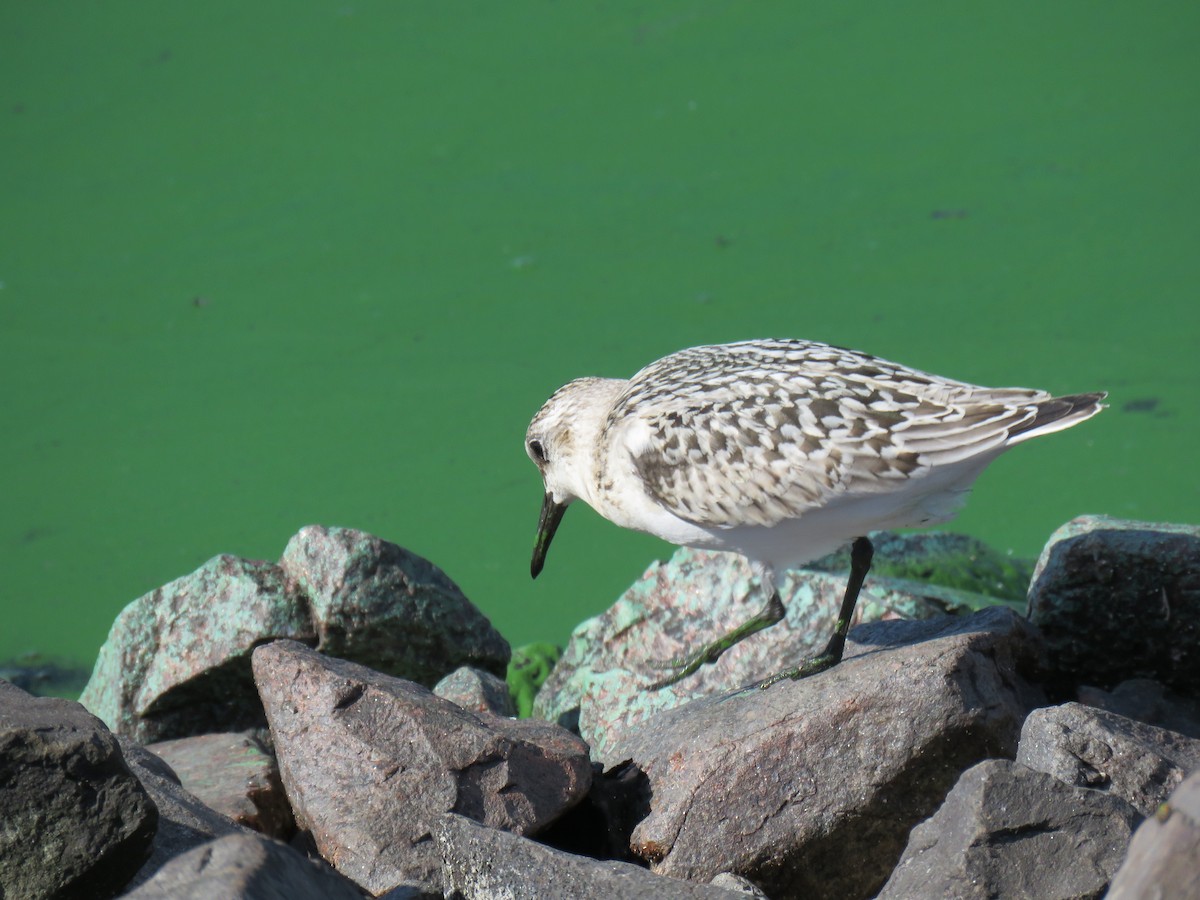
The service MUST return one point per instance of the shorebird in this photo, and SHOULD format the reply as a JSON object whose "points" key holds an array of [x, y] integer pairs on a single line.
{"points": [[781, 450]]}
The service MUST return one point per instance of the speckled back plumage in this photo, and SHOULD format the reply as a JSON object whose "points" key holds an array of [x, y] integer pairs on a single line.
{"points": [[757, 432]]}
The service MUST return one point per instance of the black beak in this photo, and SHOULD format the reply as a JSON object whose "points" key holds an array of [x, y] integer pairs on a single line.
{"points": [[552, 514]]}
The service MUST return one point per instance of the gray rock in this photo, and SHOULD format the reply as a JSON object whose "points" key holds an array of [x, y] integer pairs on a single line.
{"points": [[369, 761], [412, 890], [245, 867], [234, 775], [810, 788], [74, 821], [377, 604], [732, 882], [483, 863], [476, 691], [601, 686], [1147, 701], [1117, 599], [184, 822], [177, 660], [1008, 831], [1164, 856], [1091, 748]]}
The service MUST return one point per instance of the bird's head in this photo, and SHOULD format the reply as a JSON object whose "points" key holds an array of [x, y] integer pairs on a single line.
{"points": [[561, 441]]}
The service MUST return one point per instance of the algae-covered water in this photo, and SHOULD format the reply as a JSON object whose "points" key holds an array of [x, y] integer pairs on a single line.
{"points": [[271, 264]]}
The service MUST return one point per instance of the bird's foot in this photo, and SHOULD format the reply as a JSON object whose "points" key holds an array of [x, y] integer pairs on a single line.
{"points": [[711, 652], [826, 660]]}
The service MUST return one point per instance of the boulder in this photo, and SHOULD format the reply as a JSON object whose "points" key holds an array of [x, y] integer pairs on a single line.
{"points": [[184, 822], [483, 863], [809, 788], [233, 774], [369, 761], [177, 660], [1008, 831], [1117, 599], [604, 684], [74, 821], [377, 604], [943, 558], [1147, 701], [1091, 748], [1164, 856], [476, 691], [248, 867]]}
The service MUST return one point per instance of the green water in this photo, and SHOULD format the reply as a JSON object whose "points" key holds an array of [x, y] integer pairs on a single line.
{"points": [[278, 263]]}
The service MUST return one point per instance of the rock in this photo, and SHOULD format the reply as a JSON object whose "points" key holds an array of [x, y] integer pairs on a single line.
{"points": [[248, 867], [390, 610], [1147, 701], [1008, 831], [476, 691], [234, 775], [74, 821], [183, 821], [811, 787], [412, 890], [483, 863], [737, 883], [177, 660], [1117, 599], [1164, 856], [601, 685], [370, 761], [1090, 748]]}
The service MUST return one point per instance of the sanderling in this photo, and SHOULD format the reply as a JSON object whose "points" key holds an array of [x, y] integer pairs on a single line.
{"points": [[781, 450]]}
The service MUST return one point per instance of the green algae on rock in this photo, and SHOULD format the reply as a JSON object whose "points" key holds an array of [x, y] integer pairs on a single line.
{"points": [[177, 660]]}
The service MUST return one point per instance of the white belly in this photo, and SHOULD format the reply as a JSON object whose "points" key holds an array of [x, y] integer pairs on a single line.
{"points": [[928, 500]]}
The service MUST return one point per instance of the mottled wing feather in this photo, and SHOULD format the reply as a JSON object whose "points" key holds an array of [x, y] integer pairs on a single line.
{"points": [[796, 424]]}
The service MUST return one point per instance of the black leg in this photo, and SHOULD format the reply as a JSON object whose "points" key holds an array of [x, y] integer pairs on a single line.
{"points": [[860, 563]]}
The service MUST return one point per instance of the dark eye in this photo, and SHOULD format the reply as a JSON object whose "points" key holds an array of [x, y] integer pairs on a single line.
{"points": [[537, 452]]}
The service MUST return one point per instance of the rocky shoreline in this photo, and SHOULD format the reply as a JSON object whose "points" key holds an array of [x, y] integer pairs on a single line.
{"points": [[336, 725]]}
